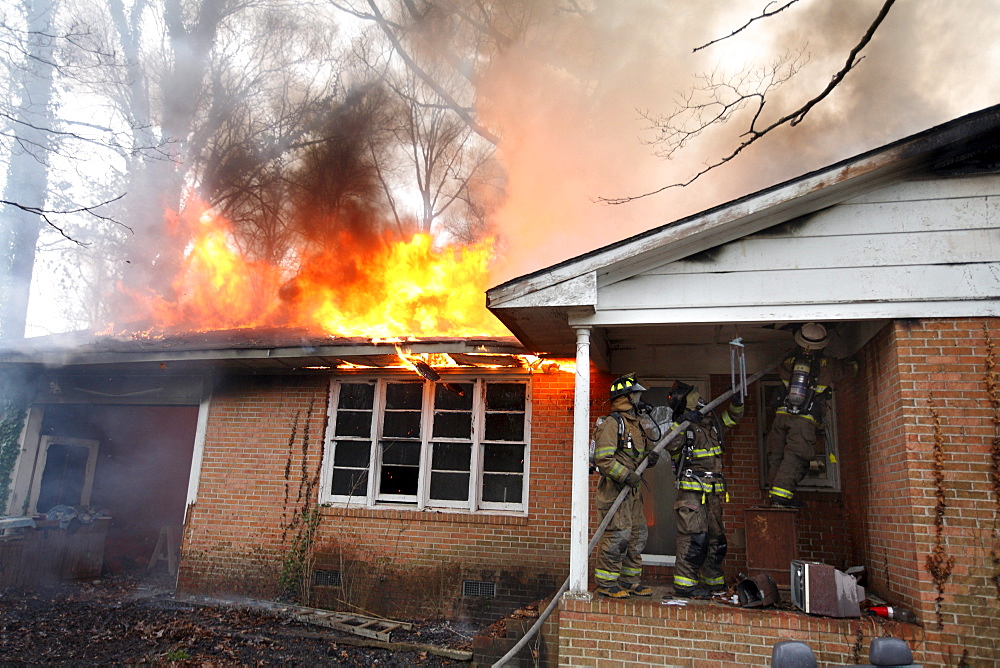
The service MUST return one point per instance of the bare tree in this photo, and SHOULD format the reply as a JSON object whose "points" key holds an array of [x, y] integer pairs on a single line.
{"points": [[38, 50], [465, 36], [724, 96]]}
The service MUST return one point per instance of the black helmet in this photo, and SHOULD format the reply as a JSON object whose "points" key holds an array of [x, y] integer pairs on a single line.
{"points": [[677, 396], [626, 384]]}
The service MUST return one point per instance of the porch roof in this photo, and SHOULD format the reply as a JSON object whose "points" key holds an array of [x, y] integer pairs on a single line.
{"points": [[541, 308]]}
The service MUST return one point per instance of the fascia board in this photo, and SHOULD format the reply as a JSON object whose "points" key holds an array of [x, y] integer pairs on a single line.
{"points": [[579, 290]]}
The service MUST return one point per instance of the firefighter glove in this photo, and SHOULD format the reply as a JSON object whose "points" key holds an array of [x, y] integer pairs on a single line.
{"points": [[691, 416], [633, 479], [737, 400], [653, 456]]}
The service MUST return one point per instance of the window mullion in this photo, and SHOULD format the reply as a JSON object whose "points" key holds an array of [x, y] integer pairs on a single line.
{"points": [[478, 421], [426, 425], [375, 461]]}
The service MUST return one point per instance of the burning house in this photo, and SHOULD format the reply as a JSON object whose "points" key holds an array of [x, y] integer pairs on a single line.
{"points": [[448, 476]]}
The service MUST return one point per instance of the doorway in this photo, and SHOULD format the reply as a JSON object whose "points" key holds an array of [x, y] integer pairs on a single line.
{"points": [[134, 462]]}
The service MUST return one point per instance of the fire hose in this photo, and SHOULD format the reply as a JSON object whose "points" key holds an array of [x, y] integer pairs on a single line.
{"points": [[643, 465]]}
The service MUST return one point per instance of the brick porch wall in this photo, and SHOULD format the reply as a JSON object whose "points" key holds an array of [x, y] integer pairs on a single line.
{"points": [[604, 632]]}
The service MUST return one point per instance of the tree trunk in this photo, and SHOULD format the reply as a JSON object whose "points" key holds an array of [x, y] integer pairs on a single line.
{"points": [[27, 182]]}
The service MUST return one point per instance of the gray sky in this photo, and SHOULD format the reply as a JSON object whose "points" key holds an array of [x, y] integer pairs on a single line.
{"points": [[572, 127]]}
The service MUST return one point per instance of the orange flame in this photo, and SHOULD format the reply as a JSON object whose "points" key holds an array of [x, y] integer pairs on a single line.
{"points": [[398, 288]]}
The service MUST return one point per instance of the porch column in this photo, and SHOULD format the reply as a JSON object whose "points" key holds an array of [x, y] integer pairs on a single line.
{"points": [[580, 508]]}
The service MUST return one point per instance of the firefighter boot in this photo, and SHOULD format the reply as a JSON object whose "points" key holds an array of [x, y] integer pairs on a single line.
{"points": [[691, 592], [612, 591], [637, 589]]}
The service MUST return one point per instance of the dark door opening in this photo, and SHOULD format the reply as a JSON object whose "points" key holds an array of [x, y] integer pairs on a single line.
{"points": [[140, 476]]}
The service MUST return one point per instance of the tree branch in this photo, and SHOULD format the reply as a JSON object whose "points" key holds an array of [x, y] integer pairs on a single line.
{"points": [[763, 15], [412, 65], [753, 134], [45, 214]]}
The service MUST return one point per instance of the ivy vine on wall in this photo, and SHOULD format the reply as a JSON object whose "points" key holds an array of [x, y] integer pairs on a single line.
{"points": [[993, 394], [13, 410]]}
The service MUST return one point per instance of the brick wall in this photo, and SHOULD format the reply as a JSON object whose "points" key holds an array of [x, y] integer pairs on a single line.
{"points": [[263, 453], [941, 368], [263, 448]]}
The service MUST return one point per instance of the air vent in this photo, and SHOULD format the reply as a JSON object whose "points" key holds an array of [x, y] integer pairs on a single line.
{"points": [[326, 578], [479, 589]]}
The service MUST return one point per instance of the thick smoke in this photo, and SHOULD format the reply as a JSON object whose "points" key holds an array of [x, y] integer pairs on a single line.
{"points": [[569, 103]]}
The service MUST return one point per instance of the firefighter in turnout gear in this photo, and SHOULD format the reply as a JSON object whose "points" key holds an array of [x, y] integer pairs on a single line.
{"points": [[808, 377], [701, 488], [620, 445]]}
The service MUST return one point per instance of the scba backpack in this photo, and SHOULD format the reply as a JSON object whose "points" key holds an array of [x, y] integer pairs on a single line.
{"points": [[656, 418]]}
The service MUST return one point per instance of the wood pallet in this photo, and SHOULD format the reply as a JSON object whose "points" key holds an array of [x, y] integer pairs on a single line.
{"points": [[369, 627]]}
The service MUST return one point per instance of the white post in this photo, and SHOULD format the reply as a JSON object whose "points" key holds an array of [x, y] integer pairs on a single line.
{"points": [[580, 508]]}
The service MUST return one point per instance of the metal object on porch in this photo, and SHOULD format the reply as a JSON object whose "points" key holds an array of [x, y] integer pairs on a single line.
{"points": [[758, 591], [820, 589], [166, 549], [772, 543]]}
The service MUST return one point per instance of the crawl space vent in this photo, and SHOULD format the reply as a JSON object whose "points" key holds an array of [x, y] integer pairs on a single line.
{"points": [[479, 589], [326, 578]]}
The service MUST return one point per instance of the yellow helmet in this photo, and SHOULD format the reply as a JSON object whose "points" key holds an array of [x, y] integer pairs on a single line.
{"points": [[626, 384]]}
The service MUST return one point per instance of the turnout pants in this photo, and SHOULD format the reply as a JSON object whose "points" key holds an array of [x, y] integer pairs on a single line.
{"points": [[701, 540], [791, 445], [619, 551]]}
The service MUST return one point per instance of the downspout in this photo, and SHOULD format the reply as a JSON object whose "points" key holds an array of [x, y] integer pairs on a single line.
{"points": [[660, 445], [580, 495]]}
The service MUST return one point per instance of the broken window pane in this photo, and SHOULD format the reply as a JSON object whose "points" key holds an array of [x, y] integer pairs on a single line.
{"points": [[505, 396], [399, 480], [500, 488], [505, 426], [447, 486], [503, 458]]}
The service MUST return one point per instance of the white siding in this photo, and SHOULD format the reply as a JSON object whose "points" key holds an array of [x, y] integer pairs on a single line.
{"points": [[921, 243]]}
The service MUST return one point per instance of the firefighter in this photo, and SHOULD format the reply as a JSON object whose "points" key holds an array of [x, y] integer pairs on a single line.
{"points": [[620, 444], [697, 457], [807, 375]]}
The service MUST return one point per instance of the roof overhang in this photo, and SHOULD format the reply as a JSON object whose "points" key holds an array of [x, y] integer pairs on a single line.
{"points": [[245, 351]]}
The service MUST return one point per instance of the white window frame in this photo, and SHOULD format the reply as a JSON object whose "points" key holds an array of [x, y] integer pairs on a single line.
{"points": [[371, 497]]}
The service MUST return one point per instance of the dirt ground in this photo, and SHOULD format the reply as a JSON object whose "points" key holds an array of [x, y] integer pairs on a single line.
{"points": [[126, 621]]}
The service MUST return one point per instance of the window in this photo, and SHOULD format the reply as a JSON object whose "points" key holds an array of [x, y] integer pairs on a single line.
{"points": [[64, 473], [454, 443], [824, 472]]}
